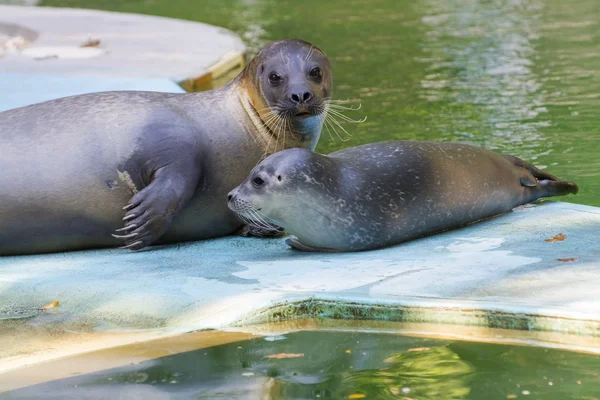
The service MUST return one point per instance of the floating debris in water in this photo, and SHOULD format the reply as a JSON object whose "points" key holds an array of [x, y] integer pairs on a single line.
{"points": [[566, 259], [274, 338], [285, 355], [419, 349]]}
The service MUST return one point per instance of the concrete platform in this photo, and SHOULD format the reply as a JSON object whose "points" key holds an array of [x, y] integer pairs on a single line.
{"points": [[500, 273], [184, 52], [27, 89]]}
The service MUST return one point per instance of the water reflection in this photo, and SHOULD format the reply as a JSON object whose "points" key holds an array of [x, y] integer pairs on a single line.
{"points": [[480, 54], [341, 365], [520, 76]]}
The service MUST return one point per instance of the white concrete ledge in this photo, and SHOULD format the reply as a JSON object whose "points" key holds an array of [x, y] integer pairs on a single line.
{"points": [[497, 273], [137, 46]]}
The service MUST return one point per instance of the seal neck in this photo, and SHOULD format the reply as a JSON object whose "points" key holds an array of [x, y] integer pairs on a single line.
{"points": [[261, 130]]}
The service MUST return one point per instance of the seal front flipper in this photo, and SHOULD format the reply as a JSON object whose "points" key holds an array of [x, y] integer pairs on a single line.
{"points": [[151, 210], [298, 245]]}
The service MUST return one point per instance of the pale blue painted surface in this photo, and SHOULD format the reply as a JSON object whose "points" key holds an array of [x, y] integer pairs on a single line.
{"points": [[17, 90], [501, 264]]}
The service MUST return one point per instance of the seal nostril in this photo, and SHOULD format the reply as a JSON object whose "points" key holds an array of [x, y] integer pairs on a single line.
{"points": [[295, 98], [229, 197], [306, 96]]}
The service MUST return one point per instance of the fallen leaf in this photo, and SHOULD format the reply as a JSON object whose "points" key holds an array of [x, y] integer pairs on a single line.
{"points": [[566, 259], [348, 352], [557, 238], [50, 305], [419, 349], [91, 43], [357, 396], [285, 355], [511, 396]]}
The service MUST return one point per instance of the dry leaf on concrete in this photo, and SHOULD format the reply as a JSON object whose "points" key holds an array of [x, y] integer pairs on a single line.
{"points": [[557, 238], [49, 305]]}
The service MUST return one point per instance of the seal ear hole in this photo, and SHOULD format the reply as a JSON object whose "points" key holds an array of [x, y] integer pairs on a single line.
{"points": [[279, 178], [261, 69]]}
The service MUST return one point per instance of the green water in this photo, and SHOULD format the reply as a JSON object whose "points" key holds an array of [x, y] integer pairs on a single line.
{"points": [[516, 76], [337, 365]]}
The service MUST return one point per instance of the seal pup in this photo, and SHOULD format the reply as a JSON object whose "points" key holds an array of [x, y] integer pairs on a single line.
{"points": [[156, 167], [381, 194]]}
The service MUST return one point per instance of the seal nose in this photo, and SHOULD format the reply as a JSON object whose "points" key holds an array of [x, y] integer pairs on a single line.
{"points": [[230, 196], [300, 97]]}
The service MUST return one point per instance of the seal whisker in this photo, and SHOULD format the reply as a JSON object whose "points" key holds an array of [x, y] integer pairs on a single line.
{"points": [[347, 119], [242, 218], [253, 220], [344, 108], [334, 121], [264, 224], [309, 53], [326, 125], [329, 120], [340, 101]]}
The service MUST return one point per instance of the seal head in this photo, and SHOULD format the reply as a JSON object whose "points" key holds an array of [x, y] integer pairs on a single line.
{"points": [[292, 189], [288, 85]]}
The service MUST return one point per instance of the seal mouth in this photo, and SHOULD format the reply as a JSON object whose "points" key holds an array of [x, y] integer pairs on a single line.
{"points": [[302, 115]]}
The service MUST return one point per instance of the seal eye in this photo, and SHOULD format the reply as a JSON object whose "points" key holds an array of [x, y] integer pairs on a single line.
{"points": [[258, 181], [316, 73], [274, 79]]}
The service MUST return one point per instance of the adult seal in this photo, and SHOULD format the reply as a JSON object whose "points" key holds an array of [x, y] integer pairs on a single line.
{"points": [[155, 167], [381, 194]]}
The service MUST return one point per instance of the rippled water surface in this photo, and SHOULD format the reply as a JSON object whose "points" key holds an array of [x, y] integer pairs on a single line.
{"points": [[339, 365], [516, 76]]}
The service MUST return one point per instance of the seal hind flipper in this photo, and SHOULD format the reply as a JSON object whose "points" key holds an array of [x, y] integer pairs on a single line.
{"points": [[536, 172], [543, 183], [298, 245], [151, 210], [557, 188]]}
